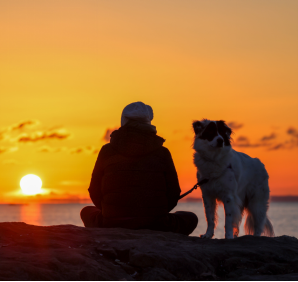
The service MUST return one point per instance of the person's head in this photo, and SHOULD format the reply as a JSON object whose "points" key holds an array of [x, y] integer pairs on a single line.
{"points": [[137, 111]]}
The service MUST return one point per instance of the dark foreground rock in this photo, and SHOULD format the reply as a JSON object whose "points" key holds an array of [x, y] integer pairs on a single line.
{"points": [[68, 252]]}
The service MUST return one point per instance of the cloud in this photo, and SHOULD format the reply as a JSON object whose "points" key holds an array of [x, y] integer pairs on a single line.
{"points": [[48, 149], [243, 141], [84, 149], [76, 150], [293, 132], [91, 150], [247, 145], [288, 144], [48, 195], [107, 134], [45, 149], [23, 124], [268, 138], [267, 141], [277, 147], [234, 125], [73, 183], [8, 149], [22, 132], [19, 126], [58, 134]]}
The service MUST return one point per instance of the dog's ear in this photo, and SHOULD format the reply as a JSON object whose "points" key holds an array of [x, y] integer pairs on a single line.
{"points": [[224, 131], [223, 126], [197, 126]]}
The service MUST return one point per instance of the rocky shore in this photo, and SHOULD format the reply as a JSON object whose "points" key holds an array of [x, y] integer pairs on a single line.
{"points": [[68, 252]]}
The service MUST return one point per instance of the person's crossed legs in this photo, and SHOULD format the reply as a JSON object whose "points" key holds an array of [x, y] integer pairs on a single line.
{"points": [[91, 216], [181, 222]]}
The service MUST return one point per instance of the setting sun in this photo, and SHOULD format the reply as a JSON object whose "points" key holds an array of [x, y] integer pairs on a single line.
{"points": [[31, 184]]}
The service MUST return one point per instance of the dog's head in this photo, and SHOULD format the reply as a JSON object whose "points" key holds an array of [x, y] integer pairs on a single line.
{"points": [[211, 135]]}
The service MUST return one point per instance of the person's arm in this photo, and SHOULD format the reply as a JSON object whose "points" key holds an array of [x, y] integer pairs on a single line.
{"points": [[173, 187], [95, 184]]}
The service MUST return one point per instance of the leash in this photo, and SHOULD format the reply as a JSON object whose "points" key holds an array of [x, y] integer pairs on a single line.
{"points": [[193, 188]]}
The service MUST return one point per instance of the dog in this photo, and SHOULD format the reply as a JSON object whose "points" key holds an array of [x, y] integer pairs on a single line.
{"points": [[233, 178]]}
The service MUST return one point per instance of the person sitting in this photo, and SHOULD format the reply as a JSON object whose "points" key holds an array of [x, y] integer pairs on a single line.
{"points": [[134, 183]]}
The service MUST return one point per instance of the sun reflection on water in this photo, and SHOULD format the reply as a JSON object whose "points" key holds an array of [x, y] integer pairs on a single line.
{"points": [[31, 214]]}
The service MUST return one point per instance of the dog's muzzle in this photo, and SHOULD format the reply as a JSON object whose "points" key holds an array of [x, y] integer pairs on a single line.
{"points": [[219, 142]]}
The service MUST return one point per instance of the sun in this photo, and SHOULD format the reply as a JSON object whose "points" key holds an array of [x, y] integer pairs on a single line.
{"points": [[31, 184]]}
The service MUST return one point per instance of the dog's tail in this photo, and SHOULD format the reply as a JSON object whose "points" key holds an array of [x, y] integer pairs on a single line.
{"points": [[268, 228], [249, 226]]}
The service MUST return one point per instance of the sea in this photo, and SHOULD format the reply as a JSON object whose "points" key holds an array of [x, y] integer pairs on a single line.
{"points": [[283, 216]]}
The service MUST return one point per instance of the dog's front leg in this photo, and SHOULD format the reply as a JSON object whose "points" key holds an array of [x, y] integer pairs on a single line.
{"points": [[229, 205], [210, 210]]}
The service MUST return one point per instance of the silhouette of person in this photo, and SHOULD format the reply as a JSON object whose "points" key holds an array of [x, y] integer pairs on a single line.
{"points": [[134, 183]]}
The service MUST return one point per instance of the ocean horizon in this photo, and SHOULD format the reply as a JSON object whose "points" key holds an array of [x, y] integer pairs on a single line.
{"points": [[281, 214], [26, 200]]}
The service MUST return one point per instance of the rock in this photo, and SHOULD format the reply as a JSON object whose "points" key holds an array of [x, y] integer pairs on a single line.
{"points": [[68, 252]]}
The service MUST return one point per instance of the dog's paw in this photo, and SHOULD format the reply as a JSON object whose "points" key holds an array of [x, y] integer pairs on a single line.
{"points": [[207, 235]]}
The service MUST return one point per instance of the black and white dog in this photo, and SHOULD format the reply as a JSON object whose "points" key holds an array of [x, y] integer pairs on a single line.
{"points": [[235, 179]]}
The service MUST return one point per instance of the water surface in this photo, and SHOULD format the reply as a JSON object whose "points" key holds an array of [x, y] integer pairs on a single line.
{"points": [[283, 216]]}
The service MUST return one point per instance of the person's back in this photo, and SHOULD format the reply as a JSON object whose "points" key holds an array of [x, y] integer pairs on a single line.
{"points": [[134, 182], [139, 182]]}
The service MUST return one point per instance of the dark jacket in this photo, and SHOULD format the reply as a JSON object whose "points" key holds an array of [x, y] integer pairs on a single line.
{"points": [[134, 180]]}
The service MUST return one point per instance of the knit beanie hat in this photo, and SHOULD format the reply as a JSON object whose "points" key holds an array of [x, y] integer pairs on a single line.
{"points": [[137, 111]]}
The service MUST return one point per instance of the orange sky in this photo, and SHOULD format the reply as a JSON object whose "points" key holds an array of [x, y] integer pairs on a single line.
{"points": [[68, 68]]}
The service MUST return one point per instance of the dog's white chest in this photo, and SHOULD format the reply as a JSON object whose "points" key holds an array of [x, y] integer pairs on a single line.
{"points": [[209, 169]]}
